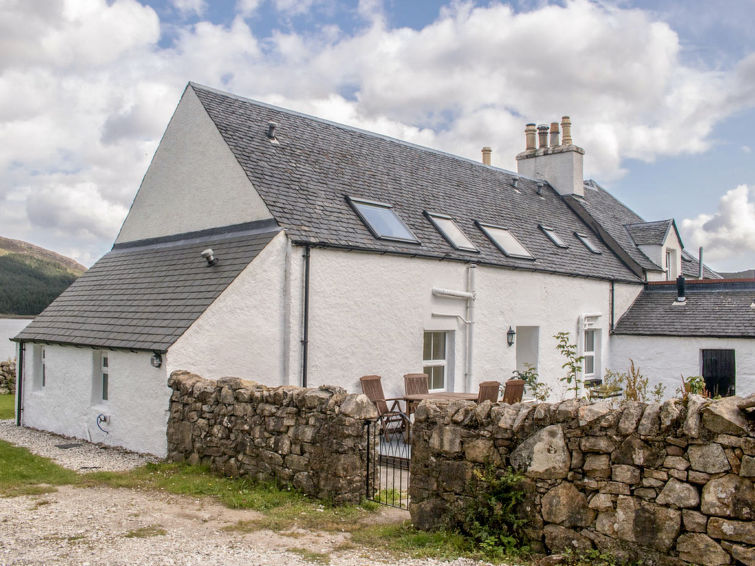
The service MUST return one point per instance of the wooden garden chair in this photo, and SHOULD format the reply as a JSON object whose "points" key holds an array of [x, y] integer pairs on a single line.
{"points": [[513, 391], [391, 419], [488, 391], [415, 384]]}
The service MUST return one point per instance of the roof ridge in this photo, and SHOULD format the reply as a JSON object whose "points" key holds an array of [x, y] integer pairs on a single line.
{"points": [[355, 129]]}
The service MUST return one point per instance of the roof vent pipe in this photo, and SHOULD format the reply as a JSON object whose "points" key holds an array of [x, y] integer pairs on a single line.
{"points": [[271, 127], [529, 136], [700, 271], [680, 289], [486, 151], [554, 134], [542, 134], [566, 128], [209, 255]]}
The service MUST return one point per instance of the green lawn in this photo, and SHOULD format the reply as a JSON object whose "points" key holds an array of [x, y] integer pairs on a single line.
{"points": [[23, 473], [7, 406]]}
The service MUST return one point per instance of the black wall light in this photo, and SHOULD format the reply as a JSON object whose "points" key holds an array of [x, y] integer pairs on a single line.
{"points": [[510, 336], [156, 360]]}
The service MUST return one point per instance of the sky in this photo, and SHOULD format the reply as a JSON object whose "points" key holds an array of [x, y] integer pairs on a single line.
{"points": [[661, 95]]}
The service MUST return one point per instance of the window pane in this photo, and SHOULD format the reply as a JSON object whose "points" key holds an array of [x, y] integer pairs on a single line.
{"points": [[436, 375], [104, 360], [384, 221], [589, 341], [104, 386], [452, 232], [439, 346], [587, 242], [427, 349], [506, 241], [555, 238], [589, 365]]}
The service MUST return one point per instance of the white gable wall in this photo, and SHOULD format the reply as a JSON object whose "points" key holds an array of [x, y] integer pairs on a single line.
{"points": [[137, 404], [662, 359], [193, 183], [243, 333]]}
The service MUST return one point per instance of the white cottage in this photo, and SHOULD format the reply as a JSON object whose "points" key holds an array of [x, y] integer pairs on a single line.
{"points": [[287, 249]]}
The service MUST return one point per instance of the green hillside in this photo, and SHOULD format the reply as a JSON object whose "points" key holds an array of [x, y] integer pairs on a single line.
{"points": [[31, 277]]}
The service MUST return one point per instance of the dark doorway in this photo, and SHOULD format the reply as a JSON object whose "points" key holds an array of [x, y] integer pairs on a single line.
{"points": [[719, 372]]}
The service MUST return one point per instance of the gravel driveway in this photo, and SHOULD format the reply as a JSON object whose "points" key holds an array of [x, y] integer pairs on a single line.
{"points": [[105, 526]]}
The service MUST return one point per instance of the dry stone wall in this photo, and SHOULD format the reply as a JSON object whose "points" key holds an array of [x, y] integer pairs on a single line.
{"points": [[667, 484], [7, 377], [311, 438]]}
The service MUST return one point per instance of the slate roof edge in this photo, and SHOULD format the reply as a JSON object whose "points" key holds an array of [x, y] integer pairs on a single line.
{"points": [[584, 215], [681, 334], [84, 345], [476, 261], [351, 128], [233, 230]]}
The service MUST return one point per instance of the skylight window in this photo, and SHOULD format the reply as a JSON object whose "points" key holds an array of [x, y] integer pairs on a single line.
{"points": [[505, 241], [450, 231], [382, 221], [552, 236], [587, 242]]}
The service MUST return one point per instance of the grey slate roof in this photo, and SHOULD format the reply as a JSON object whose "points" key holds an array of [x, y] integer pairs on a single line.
{"points": [[145, 296], [628, 229], [711, 309], [305, 177], [650, 233]]}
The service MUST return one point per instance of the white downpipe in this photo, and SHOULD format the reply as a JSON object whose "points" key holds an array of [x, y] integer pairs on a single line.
{"points": [[468, 320], [471, 269]]}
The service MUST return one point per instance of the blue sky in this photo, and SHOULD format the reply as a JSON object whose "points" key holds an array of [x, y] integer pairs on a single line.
{"points": [[661, 94]]}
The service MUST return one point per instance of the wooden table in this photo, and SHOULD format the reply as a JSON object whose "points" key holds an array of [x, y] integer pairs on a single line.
{"points": [[415, 399]]}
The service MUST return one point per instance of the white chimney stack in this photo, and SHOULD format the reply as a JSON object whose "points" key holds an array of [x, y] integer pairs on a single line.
{"points": [[560, 163]]}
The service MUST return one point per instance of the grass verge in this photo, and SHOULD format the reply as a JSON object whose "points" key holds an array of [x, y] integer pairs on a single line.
{"points": [[23, 473], [7, 407]]}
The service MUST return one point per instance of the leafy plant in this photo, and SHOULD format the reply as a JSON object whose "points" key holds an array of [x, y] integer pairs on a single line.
{"points": [[658, 392], [573, 363], [489, 516], [695, 385], [529, 375]]}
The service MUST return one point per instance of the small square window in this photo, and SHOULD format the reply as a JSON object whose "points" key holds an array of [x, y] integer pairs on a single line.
{"points": [[587, 243], [505, 241], [382, 221], [450, 231], [553, 236]]}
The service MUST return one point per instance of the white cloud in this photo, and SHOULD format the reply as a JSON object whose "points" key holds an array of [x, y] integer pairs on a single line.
{"points": [[187, 7], [86, 90], [728, 235]]}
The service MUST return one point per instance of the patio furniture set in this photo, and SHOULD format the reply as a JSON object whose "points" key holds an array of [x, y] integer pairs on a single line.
{"points": [[393, 419]]}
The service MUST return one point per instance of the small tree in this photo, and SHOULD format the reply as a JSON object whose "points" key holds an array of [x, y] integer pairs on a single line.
{"points": [[573, 363]]}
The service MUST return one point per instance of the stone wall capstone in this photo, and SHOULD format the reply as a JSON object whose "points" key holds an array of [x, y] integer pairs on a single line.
{"points": [[7, 377], [669, 484], [313, 439]]}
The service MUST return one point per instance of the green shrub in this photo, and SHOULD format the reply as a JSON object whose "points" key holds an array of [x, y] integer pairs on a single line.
{"points": [[537, 389], [489, 516]]}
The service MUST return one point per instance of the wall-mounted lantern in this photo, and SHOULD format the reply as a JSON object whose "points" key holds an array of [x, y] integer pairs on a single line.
{"points": [[156, 360], [510, 336]]}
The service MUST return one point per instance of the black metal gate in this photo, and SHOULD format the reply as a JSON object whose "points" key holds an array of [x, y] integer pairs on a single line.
{"points": [[389, 452]]}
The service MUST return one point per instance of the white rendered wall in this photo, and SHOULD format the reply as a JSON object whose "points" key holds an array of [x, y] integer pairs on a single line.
{"points": [[9, 327], [368, 313], [243, 332], [662, 359], [193, 183], [137, 405]]}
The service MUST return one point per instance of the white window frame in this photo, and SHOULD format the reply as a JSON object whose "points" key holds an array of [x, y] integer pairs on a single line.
{"points": [[434, 363], [590, 354], [465, 244], [591, 323], [39, 367], [100, 377]]}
